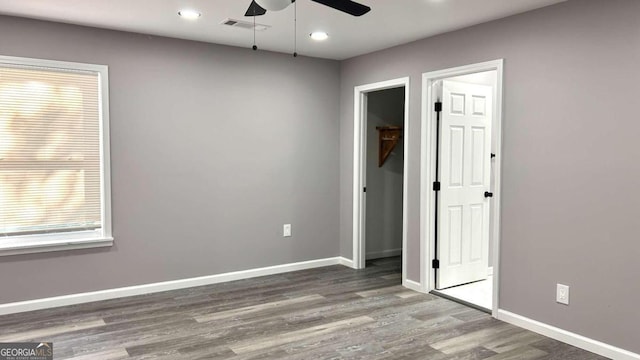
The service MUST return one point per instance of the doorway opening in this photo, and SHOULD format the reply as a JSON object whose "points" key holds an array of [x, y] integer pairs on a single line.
{"points": [[461, 166], [380, 166]]}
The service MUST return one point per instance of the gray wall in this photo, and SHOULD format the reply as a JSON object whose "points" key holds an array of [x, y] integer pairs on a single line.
{"points": [[570, 157], [384, 184], [214, 148]]}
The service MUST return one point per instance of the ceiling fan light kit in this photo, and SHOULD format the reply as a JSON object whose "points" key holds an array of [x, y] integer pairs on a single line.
{"points": [[274, 5]]}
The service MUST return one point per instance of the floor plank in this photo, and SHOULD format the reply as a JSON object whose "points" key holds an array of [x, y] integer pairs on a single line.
{"points": [[325, 313]]}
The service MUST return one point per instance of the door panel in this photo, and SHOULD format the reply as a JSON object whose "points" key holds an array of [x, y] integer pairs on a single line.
{"points": [[477, 226], [479, 105], [478, 161], [463, 238], [455, 235], [457, 103], [456, 159]]}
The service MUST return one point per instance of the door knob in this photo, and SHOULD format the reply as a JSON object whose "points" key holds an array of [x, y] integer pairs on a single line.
{"points": [[488, 194]]}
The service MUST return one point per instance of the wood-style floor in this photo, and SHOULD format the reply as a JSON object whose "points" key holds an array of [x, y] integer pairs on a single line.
{"points": [[326, 313]]}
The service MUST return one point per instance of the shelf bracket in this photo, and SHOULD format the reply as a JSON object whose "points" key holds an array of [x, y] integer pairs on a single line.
{"points": [[388, 138]]}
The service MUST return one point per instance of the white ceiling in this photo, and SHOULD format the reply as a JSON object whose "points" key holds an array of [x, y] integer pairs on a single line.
{"points": [[390, 22]]}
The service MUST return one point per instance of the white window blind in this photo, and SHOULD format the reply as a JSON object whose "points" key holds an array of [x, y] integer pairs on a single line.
{"points": [[50, 160]]}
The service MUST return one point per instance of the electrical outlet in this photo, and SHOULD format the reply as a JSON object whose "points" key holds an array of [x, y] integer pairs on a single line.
{"points": [[562, 294], [286, 230]]}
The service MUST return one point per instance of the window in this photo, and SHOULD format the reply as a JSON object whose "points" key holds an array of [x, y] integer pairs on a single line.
{"points": [[54, 156]]}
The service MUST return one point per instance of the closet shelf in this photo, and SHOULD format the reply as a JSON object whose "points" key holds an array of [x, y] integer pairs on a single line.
{"points": [[388, 138]]}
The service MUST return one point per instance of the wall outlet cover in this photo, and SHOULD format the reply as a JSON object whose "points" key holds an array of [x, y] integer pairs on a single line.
{"points": [[562, 294], [286, 230]]}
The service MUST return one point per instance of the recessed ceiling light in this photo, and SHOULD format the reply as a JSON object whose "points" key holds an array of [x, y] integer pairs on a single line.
{"points": [[189, 14], [319, 35]]}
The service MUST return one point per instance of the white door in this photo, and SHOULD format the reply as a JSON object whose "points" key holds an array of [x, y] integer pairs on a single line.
{"points": [[465, 158]]}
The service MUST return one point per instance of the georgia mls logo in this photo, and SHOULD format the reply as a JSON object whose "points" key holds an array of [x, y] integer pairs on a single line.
{"points": [[45, 347], [26, 351]]}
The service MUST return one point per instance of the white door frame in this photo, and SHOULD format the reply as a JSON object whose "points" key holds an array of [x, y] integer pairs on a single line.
{"points": [[360, 169], [427, 171]]}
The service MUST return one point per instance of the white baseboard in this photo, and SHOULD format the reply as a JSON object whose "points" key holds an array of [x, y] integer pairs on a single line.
{"points": [[73, 299], [383, 254], [570, 338], [415, 286], [346, 262]]}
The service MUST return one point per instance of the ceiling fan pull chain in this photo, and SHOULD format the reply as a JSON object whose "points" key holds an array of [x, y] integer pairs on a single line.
{"points": [[295, 28], [254, 47]]}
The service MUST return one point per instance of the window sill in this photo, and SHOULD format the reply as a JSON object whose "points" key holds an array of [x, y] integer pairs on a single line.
{"points": [[59, 242]]}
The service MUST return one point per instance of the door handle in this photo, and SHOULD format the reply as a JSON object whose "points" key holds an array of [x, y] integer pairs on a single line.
{"points": [[488, 194]]}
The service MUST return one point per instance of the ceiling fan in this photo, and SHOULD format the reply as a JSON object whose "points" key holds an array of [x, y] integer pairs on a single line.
{"points": [[260, 7]]}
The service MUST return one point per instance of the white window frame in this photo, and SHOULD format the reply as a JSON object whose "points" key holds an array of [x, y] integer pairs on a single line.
{"points": [[25, 244]]}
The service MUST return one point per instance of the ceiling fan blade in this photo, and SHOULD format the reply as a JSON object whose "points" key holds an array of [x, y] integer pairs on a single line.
{"points": [[348, 6], [255, 9]]}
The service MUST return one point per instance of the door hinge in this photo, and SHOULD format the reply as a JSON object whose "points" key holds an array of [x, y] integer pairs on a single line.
{"points": [[437, 106], [436, 186], [364, 189], [435, 264]]}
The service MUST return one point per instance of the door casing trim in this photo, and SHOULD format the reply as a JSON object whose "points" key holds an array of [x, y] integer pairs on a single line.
{"points": [[427, 172], [359, 168]]}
